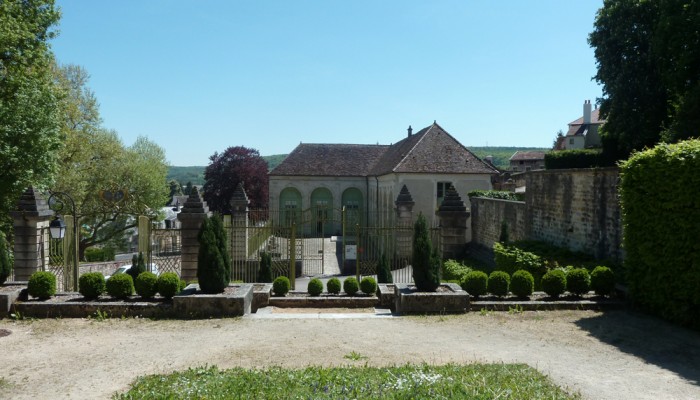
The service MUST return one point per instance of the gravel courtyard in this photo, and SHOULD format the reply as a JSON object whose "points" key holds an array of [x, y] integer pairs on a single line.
{"points": [[612, 355]]}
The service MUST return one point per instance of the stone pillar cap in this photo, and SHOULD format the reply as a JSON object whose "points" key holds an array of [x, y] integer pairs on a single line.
{"points": [[32, 204], [404, 197], [452, 201], [195, 204], [239, 198]]}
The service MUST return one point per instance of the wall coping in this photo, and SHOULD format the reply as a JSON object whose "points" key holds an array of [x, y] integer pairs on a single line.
{"points": [[492, 199]]}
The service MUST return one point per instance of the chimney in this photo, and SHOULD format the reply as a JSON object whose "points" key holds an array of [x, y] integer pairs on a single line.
{"points": [[587, 112], [410, 131]]}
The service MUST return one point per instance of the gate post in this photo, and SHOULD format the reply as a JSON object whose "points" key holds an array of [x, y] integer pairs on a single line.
{"points": [[239, 224], [194, 212], [453, 216], [31, 250], [404, 218]]}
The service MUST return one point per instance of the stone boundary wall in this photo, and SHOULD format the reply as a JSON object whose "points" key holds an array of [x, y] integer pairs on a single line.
{"points": [[577, 209]]}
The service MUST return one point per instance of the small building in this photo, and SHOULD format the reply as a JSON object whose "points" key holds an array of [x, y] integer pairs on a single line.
{"points": [[526, 161], [583, 132]]}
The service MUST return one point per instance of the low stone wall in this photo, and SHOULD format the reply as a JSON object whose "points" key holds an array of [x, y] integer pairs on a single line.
{"points": [[488, 216], [448, 299], [303, 300], [186, 305]]}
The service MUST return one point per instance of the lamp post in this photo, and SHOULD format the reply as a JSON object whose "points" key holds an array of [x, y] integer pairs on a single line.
{"points": [[57, 201]]}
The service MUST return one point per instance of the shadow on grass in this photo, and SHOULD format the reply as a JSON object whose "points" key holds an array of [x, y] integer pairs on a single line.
{"points": [[653, 340]]}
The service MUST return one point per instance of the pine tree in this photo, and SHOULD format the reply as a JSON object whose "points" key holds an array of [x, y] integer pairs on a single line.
{"points": [[426, 263], [383, 271], [213, 262]]}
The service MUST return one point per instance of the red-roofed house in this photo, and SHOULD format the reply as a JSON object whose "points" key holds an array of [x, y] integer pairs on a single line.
{"points": [[583, 132]]}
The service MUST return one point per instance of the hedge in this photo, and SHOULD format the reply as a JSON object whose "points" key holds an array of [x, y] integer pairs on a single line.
{"points": [[498, 194], [583, 158], [659, 191]]}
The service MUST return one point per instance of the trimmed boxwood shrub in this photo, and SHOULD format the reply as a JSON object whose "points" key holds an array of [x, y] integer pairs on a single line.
{"points": [[5, 263], [182, 285], [350, 286], [120, 286], [554, 282], [315, 287], [499, 283], [91, 285], [602, 280], [426, 264], [281, 285], [475, 283], [333, 285], [42, 285], [522, 284], [146, 284], [510, 258], [368, 285], [169, 284], [578, 281], [213, 261]]}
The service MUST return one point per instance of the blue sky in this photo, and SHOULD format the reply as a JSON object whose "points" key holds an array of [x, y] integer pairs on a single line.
{"points": [[199, 76]]}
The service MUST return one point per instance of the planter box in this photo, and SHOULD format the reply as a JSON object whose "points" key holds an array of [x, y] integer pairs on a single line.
{"points": [[234, 302], [448, 299], [261, 295], [387, 295], [72, 305], [9, 292], [303, 300]]}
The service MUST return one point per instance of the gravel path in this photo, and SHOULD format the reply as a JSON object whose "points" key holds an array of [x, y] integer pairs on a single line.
{"points": [[614, 355]]}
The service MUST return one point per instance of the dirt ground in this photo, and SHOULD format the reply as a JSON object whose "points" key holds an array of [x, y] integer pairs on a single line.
{"points": [[612, 355]]}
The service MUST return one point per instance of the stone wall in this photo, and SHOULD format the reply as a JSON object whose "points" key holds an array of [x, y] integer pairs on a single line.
{"points": [[577, 209]]}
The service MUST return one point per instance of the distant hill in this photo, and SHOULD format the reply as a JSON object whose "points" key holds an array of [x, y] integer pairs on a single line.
{"points": [[501, 155]]}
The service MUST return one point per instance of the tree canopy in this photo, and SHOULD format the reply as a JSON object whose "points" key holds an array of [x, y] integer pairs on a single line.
{"points": [[226, 170], [648, 58], [29, 113]]}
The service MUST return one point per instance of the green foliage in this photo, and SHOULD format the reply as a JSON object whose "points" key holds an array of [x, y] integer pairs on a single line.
{"points": [[42, 285], [659, 198], [138, 266], [351, 286], [499, 283], [426, 266], [146, 284], [368, 285], [454, 270], [315, 287], [578, 281], [333, 286], [213, 261], [98, 254], [265, 273], [30, 117], [554, 282], [182, 285], [91, 285], [504, 236], [602, 280], [510, 258], [475, 283], [384, 271], [497, 194], [281, 285], [5, 264], [580, 158], [522, 284], [120, 286], [169, 284]]}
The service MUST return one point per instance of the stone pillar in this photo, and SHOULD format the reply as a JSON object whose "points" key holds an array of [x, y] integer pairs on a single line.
{"points": [[404, 220], [239, 224], [31, 239], [194, 212], [453, 216]]}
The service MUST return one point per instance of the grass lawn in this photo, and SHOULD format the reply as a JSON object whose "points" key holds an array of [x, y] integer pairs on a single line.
{"points": [[472, 381]]}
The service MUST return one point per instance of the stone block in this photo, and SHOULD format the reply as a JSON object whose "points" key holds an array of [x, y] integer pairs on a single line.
{"points": [[448, 299]]}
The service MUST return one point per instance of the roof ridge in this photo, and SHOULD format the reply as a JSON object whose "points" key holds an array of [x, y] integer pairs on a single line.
{"points": [[493, 168], [424, 134]]}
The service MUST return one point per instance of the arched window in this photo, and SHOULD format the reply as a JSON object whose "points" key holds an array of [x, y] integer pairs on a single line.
{"points": [[290, 206], [353, 203], [322, 210]]}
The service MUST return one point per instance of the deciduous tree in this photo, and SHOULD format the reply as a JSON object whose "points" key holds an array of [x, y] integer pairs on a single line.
{"points": [[226, 170]]}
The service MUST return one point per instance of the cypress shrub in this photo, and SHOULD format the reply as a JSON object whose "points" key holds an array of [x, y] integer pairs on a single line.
{"points": [[333, 286], [91, 285], [554, 282], [499, 283], [368, 285], [146, 284], [475, 283], [265, 273], [383, 271], [426, 265], [281, 285], [168, 284], [522, 284], [350, 286], [138, 265], [120, 286], [315, 287], [5, 264], [42, 285], [602, 281], [578, 281], [213, 262]]}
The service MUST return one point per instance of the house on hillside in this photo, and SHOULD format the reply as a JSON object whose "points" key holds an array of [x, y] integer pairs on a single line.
{"points": [[526, 161], [583, 132], [366, 179]]}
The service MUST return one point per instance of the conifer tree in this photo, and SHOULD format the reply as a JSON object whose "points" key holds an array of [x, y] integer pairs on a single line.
{"points": [[213, 262], [265, 273], [426, 263], [383, 271]]}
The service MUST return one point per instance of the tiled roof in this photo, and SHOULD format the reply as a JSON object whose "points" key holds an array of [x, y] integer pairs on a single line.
{"points": [[309, 159], [431, 150], [595, 114], [527, 155], [578, 130]]}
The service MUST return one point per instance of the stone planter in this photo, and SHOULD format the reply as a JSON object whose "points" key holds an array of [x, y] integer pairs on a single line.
{"points": [[72, 305], [261, 295], [303, 300], [448, 299], [387, 295], [234, 302], [9, 292]]}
